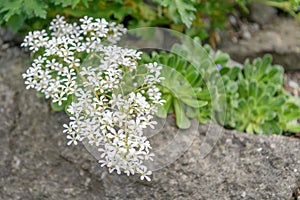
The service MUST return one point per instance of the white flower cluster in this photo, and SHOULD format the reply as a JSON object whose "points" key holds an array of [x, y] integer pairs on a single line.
{"points": [[114, 98], [111, 117], [61, 52]]}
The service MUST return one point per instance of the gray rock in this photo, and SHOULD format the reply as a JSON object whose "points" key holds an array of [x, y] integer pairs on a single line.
{"points": [[8, 36], [36, 163], [261, 13], [281, 39]]}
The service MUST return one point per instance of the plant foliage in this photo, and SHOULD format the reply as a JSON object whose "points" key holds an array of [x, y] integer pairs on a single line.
{"points": [[183, 89], [194, 17], [256, 101]]}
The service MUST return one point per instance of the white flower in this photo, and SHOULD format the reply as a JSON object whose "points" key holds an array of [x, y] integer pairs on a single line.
{"points": [[144, 173], [68, 129], [59, 98], [73, 138], [51, 64], [30, 82]]}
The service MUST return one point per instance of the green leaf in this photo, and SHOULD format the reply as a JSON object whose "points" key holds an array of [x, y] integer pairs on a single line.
{"points": [[11, 8], [163, 110], [224, 70], [234, 73], [243, 105], [198, 83], [270, 89], [264, 99], [250, 128], [221, 58], [40, 94], [251, 102], [16, 22], [36, 7], [274, 128], [271, 127], [203, 94], [243, 5], [147, 12], [294, 128], [252, 89], [191, 74], [242, 90], [205, 116], [195, 103], [291, 114], [248, 69], [56, 107], [170, 60], [272, 74], [266, 61], [192, 112], [232, 87], [65, 3], [270, 115], [258, 129], [275, 104], [64, 104], [181, 120], [181, 64], [180, 11]]}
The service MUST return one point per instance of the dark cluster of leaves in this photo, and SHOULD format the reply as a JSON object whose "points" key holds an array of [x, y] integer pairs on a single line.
{"points": [[34, 14], [193, 17]]}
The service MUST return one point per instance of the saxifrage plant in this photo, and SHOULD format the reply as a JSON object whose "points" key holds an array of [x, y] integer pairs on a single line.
{"points": [[109, 97], [257, 101]]}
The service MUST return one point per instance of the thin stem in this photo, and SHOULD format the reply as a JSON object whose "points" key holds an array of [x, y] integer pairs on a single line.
{"points": [[286, 6]]}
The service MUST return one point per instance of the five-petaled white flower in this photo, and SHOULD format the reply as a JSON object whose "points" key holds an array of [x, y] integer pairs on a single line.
{"points": [[73, 138]]}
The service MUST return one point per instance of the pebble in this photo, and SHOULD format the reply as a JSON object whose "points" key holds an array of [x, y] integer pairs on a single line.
{"points": [[234, 40], [69, 190], [255, 27], [246, 35], [16, 162], [87, 182], [5, 46], [293, 84], [244, 194], [232, 20], [259, 149]]}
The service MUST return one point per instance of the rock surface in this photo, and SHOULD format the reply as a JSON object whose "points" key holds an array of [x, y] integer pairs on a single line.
{"points": [[36, 163], [262, 14], [280, 38]]}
